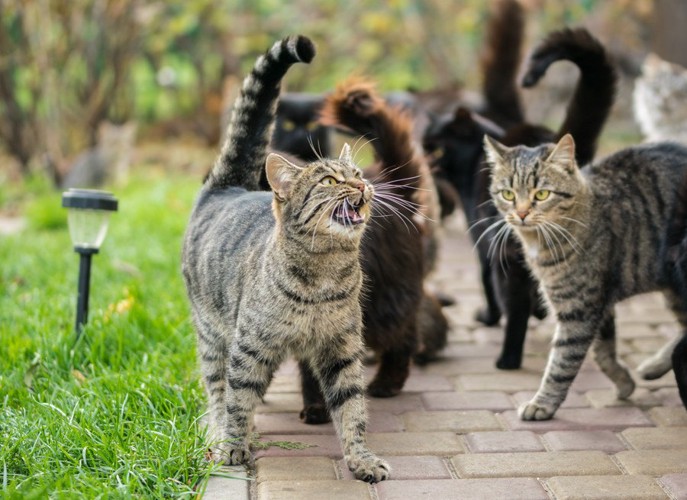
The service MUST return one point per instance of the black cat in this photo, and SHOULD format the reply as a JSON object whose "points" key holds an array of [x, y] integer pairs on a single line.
{"points": [[509, 288]]}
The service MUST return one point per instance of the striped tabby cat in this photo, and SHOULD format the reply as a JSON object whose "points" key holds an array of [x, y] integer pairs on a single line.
{"points": [[593, 236], [272, 273]]}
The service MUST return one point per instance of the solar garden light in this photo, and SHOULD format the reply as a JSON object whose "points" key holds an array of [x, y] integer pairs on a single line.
{"points": [[88, 212]]}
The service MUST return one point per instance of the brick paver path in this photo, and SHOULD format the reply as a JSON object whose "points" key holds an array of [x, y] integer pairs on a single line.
{"points": [[454, 431]]}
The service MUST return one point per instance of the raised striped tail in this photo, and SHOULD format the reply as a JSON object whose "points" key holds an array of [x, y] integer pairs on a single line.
{"points": [[245, 148]]}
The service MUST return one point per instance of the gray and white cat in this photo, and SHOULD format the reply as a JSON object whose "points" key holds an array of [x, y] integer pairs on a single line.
{"points": [[593, 236], [660, 100], [275, 273]]}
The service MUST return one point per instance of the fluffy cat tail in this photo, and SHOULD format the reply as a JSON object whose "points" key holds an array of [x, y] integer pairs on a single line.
{"points": [[245, 149], [356, 106], [500, 62], [595, 91]]}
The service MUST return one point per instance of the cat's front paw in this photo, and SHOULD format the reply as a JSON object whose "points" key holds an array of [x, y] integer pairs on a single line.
{"points": [[231, 454], [369, 468], [535, 411], [625, 387], [488, 317]]}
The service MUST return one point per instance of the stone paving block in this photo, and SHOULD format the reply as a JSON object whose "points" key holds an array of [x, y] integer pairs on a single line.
{"points": [[503, 442], [506, 381], [425, 382], [320, 446], [290, 423], [460, 351], [605, 398], [653, 438], [405, 468], [287, 423], [675, 485], [454, 421], [653, 462], [591, 379], [294, 469], [477, 400], [538, 464], [512, 489], [450, 367], [605, 441], [398, 404], [281, 402], [314, 490], [219, 488], [668, 396], [669, 417], [580, 419], [636, 330], [606, 488], [285, 383], [573, 400], [415, 443]]}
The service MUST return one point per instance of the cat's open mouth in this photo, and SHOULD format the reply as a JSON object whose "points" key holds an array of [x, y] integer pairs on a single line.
{"points": [[347, 214]]}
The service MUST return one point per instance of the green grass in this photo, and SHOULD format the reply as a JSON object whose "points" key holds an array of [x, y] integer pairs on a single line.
{"points": [[116, 414]]}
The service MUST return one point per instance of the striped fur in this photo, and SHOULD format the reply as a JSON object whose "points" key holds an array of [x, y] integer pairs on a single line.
{"points": [[269, 274], [595, 239]]}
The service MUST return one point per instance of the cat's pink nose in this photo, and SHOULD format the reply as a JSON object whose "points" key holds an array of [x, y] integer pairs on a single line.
{"points": [[360, 185], [522, 215]]}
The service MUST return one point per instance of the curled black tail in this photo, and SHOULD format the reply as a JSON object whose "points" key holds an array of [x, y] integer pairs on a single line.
{"points": [[595, 91], [500, 63], [245, 148]]}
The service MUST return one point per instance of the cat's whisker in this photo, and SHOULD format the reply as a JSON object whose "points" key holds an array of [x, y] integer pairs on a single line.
{"points": [[554, 238], [575, 221], [398, 213], [569, 237], [412, 207], [488, 229]]}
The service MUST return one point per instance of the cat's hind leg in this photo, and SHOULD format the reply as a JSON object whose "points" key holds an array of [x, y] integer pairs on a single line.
{"points": [[605, 356], [660, 363], [679, 359]]}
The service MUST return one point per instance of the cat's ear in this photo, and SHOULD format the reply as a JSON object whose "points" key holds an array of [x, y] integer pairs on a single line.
{"points": [[494, 150], [281, 174], [345, 155], [564, 153]]}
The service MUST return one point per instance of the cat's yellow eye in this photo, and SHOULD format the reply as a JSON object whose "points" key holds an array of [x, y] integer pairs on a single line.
{"points": [[329, 181], [288, 125], [542, 194], [311, 126], [508, 195]]}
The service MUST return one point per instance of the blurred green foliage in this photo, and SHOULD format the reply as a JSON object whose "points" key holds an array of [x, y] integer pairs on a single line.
{"points": [[66, 65]]}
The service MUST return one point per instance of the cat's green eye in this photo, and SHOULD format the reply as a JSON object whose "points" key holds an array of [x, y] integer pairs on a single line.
{"points": [[329, 181], [288, 125], [542, 194], [311, 126], [508, 195]]}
